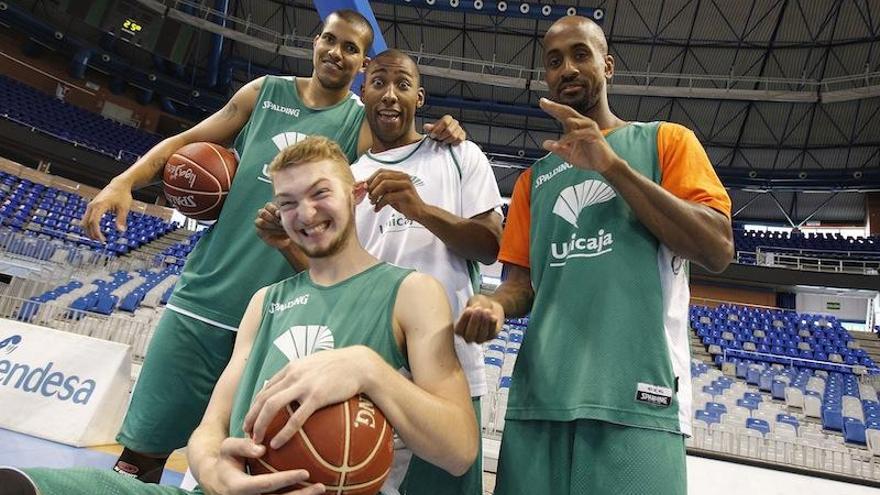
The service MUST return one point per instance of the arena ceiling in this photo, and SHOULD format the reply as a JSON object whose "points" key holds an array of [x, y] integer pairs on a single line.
{"points": [[784, 94]]}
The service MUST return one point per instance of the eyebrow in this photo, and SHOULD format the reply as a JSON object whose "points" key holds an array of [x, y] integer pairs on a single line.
{"points": [[385, 70], [313, 186]]}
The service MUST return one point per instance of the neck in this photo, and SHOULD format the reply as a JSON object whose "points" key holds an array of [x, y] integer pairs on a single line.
{"points": [[602, 115], [315, 96], [346, 263], [409, 138]]}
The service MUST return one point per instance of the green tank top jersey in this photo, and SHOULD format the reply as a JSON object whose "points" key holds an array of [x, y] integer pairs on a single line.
{"points": [[230, 262], [596, 347], [300, 318]]}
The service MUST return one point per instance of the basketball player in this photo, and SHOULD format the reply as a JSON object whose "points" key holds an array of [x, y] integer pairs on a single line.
{"points": [[433, 207], [597, 242], [376, 322], [193, 340]]}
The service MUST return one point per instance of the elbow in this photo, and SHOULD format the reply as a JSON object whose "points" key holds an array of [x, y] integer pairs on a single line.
{"points": [[720, 257], [464, 459], [489, 255]]}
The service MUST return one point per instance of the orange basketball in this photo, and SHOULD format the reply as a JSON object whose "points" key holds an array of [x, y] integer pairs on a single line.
{"points": [[197, 178], [347, 446]]}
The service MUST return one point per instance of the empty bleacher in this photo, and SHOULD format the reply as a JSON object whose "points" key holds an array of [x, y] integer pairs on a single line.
{"points": [[27, 106], [55, 214], [816, 415], [810, 251]]}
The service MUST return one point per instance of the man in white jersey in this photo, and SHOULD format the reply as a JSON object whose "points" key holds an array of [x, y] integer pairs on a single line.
{"points": [[433, 207]]}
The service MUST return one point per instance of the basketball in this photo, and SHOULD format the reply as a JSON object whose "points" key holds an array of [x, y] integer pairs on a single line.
{"points": [[347, 446], [197, 179]]}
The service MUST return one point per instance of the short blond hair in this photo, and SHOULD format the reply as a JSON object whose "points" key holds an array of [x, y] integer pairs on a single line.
{"points": [[312, 149]]}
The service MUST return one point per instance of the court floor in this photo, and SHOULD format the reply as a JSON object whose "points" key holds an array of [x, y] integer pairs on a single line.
{"points": [[19, 450]]}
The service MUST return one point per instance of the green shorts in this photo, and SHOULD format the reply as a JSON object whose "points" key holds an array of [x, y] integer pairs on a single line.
{"points": [[589, 457], [424, 478], [90, 481], [182, 365]]}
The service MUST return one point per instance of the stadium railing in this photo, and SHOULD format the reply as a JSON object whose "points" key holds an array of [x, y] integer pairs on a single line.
{"points": [[123, 329]]}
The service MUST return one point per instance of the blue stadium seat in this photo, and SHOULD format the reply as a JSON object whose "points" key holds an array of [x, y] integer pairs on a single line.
{"points": [[759, 425], [853, 431]]}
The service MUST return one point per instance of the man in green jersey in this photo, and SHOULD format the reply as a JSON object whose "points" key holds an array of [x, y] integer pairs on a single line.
{"points": [[194, 338], [348, 325], [596, 247]]}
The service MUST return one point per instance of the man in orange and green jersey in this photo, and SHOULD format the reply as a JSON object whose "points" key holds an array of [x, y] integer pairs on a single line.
{"points": [[600, 400], [195, 336]]}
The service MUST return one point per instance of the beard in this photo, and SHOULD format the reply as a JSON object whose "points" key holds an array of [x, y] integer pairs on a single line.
{"points": [[335, 246], [333, 84]]}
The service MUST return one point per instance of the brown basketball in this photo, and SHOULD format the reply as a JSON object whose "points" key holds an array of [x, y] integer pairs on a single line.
{"points": [[348, 447], [197, 179]]}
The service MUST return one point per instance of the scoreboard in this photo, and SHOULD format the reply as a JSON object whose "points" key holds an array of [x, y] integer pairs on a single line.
{"points": [[133, 23]]}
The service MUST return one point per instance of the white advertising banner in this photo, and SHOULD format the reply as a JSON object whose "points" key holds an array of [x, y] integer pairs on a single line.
{"points": [[62, 386]]}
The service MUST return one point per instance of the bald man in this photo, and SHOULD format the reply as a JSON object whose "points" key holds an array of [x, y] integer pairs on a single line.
{"points": [[600, 401]]}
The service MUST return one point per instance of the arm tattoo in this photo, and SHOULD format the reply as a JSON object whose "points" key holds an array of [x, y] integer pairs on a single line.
{"points": [[229, 111]]}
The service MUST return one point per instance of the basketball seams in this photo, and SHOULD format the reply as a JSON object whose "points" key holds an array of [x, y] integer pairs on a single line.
{"points": [[217, 201], [346, 448], [206, 172], [225, 166], [375, 450]]}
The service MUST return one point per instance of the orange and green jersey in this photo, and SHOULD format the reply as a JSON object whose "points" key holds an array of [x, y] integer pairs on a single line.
{"points": [[607, 335]]}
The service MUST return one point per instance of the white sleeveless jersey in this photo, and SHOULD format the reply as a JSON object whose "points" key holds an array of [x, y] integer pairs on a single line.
{"points": [[457, 179]]}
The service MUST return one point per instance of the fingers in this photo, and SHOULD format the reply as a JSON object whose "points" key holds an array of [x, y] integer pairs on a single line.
{"points": [[558, 111], [447, 130], [293, 425], [388, 187], [311, 490], [92, 221], [477, 325], [241, 448], [121, 218], [266, 406], [272, 482], [381, 175]]}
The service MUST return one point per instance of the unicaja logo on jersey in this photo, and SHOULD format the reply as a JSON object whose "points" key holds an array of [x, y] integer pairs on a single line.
{"points": [[416, 181], [569, 205], [281, 141], [572, 200], [300, 341]]}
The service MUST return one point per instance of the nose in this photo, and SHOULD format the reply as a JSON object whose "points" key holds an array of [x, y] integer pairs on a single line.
{"points": [[389, 97], [336, 52], [569, 70]]}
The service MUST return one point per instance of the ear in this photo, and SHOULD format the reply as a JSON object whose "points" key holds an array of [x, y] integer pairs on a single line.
{"points": [[317, 37], [609, 67], [422, 98], [359, 189], [365, 64]]}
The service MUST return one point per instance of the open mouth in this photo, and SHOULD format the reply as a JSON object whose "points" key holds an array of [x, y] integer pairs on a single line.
{"points": [[316, 229], [388, 116]]}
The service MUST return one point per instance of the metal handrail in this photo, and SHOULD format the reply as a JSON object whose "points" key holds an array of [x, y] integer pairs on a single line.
{"points": [[807, 263], [117, 328]]}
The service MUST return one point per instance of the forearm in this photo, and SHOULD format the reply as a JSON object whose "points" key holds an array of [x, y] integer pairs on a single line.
{"points": [[438, 430], [148, 168], [688, 229], [515, 297], [466, 237], [203, 452]]}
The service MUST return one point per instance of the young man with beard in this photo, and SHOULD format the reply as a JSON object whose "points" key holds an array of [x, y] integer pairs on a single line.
{"points": [[376, 322], [194, 338], [596, 245]]}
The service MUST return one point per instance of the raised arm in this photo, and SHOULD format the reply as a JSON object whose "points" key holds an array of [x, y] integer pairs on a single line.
{"points": [[694, 231], [220, 128]]}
